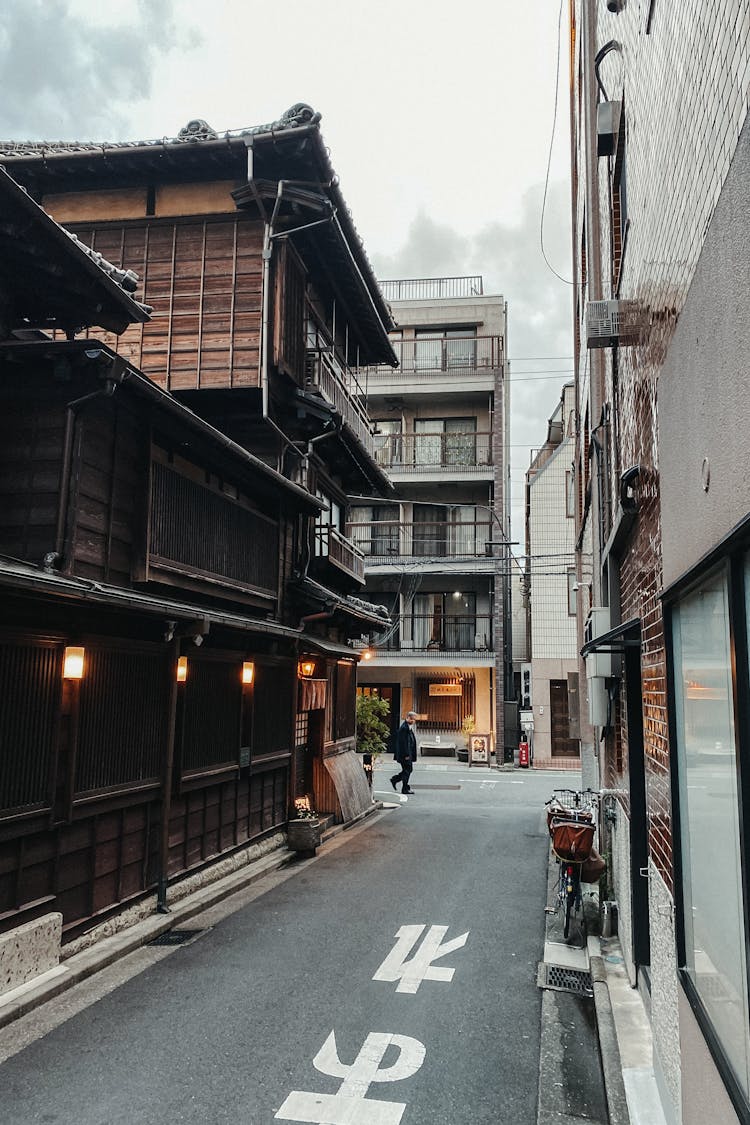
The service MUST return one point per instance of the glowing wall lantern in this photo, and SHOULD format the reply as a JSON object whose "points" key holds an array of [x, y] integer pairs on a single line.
{"points": [[306, 668], [73, 663], [248, 672], [182, 667]]}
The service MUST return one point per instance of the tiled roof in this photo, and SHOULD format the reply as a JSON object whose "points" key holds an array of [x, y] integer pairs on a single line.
{"points": [[194, 132]]}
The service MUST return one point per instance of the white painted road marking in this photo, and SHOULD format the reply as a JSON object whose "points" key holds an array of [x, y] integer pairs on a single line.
{"points": [[411, 973], [350, 1106]]}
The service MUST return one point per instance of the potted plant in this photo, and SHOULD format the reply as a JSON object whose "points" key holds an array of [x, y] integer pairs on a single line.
{"points": [[304, 831], [372, 729]]}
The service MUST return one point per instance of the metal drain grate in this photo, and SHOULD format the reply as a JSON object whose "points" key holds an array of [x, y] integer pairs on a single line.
{"points": [[176, 937], [565, 979]]}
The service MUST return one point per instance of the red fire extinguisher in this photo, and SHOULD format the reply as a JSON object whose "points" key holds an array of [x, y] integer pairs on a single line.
{"points": [[523, 753]]}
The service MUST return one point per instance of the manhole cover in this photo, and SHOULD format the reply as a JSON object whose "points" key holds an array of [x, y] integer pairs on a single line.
{"points": [[565, 979], [176, 937], [420, 786]]}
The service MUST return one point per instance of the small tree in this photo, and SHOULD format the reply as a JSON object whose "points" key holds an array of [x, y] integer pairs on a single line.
{"points": [[372, 730]]}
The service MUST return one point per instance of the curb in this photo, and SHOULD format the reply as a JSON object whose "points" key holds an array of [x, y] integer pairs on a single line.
{"points": [[24, 999], [609, 1049]]}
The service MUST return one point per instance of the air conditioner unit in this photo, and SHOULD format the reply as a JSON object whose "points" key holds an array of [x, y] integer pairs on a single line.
{"points": [[598, 664], [607, 127], [598, 701], [610, 324]]}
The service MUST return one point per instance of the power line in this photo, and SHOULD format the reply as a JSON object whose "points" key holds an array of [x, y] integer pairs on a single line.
{"points": [[549, 156]]}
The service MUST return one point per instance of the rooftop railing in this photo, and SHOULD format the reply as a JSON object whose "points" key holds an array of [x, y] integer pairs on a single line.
{"points": [[431, 288]]}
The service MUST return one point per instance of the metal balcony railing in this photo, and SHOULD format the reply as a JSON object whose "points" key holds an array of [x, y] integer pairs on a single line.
{"points": [[428, 451], [332, 545], [428, 633], [431, 288], [424, 359], [337, 383], [392, 540]]}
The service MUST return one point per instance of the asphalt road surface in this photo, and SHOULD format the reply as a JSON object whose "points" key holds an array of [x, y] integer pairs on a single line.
{"points": [[390, 980]]}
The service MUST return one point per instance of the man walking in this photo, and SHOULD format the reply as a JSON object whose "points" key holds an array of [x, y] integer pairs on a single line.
{"points": [[406, 751]]}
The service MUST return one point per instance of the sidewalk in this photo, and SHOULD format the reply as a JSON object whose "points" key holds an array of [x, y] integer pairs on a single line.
{"points": [[621, 1030]]}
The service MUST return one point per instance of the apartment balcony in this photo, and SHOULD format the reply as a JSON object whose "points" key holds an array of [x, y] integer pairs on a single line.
{"points": [[336, 557], [435, 455], [395, 542], [334, 381], [427, 638], [461, 364]]}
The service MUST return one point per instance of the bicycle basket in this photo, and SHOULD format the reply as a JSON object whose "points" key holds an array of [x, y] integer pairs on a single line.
{"points": [[559, 812], [572, 840]]}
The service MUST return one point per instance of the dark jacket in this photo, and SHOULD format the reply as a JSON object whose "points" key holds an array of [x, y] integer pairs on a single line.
{"points": [[406, 743]]}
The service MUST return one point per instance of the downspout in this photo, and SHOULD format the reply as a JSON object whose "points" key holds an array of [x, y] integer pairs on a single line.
{"points": [[55, 559]]}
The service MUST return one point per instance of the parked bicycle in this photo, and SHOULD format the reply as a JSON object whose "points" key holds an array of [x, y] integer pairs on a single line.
{"points": [[571, 820]]}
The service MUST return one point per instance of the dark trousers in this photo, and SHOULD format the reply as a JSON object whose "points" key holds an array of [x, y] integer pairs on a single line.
{"points": [[403, 777]]}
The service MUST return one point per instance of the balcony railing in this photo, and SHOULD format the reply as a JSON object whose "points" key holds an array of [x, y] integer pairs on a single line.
{"points": [[332, 546], [392, 540], [431, 288], [337, 383], [425, 451], [428, 633], [424, 359]]}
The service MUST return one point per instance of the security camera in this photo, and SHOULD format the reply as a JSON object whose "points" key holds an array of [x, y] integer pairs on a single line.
{"points": [[615, 5]]}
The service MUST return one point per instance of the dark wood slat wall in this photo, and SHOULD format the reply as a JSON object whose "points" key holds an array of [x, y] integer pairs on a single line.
{"points": [[31, 438], [204, 280]]}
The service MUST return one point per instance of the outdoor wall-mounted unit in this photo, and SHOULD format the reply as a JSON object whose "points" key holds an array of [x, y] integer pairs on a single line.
{"points": [[598, 664], [607, 127], [611, 324]]}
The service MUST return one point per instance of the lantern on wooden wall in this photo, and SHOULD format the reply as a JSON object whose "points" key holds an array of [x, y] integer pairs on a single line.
{"points": [[248, 673], [182, 669], [305, 668], [73, 661]]}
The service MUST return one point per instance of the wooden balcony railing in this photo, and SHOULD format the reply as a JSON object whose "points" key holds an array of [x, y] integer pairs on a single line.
{"points": [[413, 453], [462, 356], [391, 540], [330, 544], [337, 383], [429, 633]]}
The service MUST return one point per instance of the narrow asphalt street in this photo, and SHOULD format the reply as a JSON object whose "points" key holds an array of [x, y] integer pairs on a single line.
{"points": [[391, 979]]}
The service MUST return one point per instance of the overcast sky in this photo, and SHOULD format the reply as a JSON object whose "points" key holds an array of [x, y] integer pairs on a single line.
{"points": [[438, 115]]}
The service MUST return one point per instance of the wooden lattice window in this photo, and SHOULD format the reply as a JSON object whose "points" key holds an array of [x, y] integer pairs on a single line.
{"points": [[30, 679]]}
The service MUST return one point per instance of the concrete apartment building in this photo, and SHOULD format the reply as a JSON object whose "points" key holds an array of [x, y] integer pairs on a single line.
{"points": [[437, 556], [661, 175], [552, 586]]}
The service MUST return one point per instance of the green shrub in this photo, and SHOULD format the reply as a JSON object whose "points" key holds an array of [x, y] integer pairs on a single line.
{"points": [[372, 730]]}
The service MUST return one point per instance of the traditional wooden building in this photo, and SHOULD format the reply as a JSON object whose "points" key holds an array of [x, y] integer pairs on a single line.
{"points": [[178, 591]]}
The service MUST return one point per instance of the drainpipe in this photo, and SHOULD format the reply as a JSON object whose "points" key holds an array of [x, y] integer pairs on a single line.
{"points": [[56, 558]]}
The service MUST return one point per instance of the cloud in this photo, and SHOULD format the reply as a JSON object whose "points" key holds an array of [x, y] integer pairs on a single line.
{"points": [[73, 70], [540, 317]]}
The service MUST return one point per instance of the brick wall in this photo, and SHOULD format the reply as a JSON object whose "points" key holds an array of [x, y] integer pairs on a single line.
{"points": [[682, 73]]}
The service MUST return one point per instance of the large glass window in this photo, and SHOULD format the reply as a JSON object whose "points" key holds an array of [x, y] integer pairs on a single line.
{"points": [[712, 887]]}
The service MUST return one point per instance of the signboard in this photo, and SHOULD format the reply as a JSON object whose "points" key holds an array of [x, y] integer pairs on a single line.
{"points": [[446, 689], [526, 719], [479, 748]]}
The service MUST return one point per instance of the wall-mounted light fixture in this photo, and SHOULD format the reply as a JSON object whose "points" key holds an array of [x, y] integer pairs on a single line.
{"points": [[367, 654], [248, 672], [182, 667], [73, 660], [306, 668]]}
